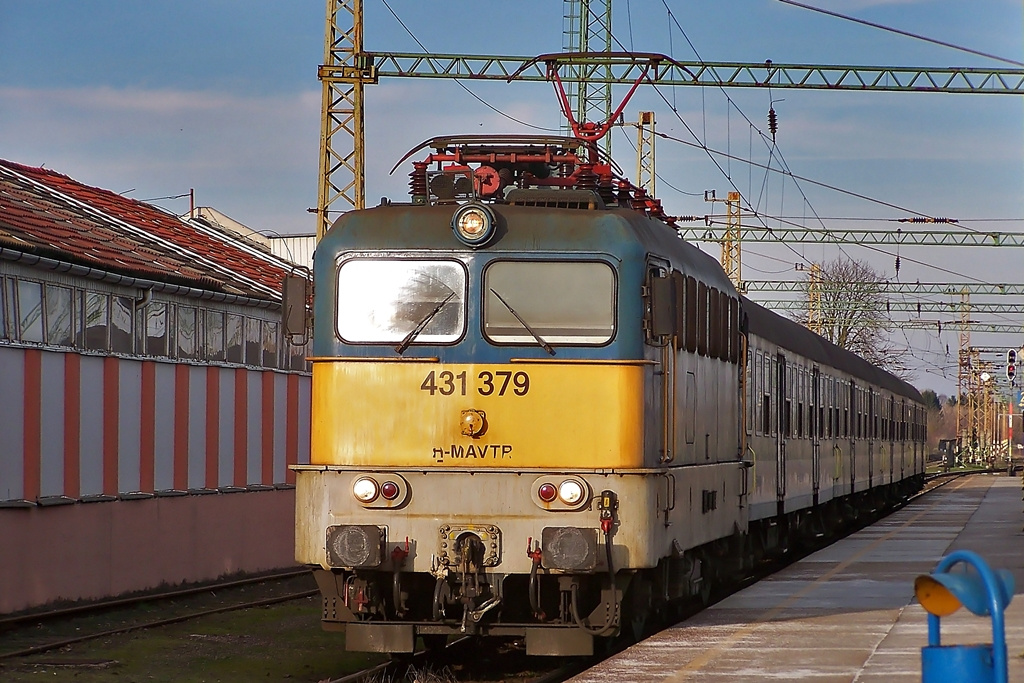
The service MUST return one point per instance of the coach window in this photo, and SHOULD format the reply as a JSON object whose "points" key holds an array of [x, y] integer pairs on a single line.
{"points": [[58, 314], [754, 367], [519, 306], [234, 338], [401, 301]]}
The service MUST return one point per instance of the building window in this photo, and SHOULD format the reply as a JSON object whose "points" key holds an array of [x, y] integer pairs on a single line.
{"points": [[270, 344], [30, 310], [253, 339], [122, 318], [215, 335], [156, 329], [234, 335], [188, 338], [4, 332], [96, 316], [59, 316]]}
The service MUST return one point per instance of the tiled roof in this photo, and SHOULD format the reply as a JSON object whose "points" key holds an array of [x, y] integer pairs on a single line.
{"points": [[49, 214]]}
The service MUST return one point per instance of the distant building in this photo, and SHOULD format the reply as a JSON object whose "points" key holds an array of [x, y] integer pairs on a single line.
{"points": [[297, 249], [144, 377]]}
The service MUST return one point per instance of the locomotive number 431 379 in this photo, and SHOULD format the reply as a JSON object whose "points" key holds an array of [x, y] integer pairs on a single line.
{"points": [[486, 383]]}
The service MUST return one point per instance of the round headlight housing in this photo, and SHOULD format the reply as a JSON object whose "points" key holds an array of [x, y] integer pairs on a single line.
{"points": [[473, 224], [365, 489], [570, 491]]}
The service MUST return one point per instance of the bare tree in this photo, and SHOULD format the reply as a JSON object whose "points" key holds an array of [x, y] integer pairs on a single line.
{"points": [[843, 302]]}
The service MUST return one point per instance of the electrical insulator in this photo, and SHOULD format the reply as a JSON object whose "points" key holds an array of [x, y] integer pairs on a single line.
{"points": [[897, 264], [773, 122]]}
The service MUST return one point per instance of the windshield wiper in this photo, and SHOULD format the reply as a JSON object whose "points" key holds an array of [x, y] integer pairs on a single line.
{"points": [[547, 347], [414, 332]]}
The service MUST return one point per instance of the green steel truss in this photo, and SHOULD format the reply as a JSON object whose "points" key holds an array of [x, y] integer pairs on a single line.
{"points": [[946, 237], [916, 288], [625, 69]]}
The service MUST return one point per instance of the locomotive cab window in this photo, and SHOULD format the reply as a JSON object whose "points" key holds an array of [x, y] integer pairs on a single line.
{"points": [[389, 301], [549, 302]]}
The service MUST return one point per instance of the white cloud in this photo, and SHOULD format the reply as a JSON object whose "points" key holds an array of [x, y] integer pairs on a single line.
{"points": [[254, 158]]}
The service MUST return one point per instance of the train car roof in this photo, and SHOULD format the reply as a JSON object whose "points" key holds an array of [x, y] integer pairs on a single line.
{"points": [[795, 337]]}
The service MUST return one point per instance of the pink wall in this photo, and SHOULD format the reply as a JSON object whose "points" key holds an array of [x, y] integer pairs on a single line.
{"points": [[89, 551], [135, 435]]}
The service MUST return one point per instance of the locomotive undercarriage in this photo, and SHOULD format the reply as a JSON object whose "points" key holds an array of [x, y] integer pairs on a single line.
{"points": [[386, 611], [563, 613]]}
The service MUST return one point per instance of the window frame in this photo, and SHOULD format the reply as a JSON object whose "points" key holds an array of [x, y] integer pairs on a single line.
{"points": [[560, 344]]}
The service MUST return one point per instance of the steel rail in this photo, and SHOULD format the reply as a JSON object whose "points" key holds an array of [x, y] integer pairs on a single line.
{"points": [[35, 649]]}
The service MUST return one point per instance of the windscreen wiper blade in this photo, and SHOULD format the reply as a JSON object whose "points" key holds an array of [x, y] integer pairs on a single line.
{"points": [[415, 332], [547, 347]]}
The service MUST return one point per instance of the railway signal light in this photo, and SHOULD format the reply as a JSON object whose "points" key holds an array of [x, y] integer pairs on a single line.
{"points": [[1011, 364]]}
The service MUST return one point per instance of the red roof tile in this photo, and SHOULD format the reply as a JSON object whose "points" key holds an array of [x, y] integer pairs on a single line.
{"points": [[50, 214]]}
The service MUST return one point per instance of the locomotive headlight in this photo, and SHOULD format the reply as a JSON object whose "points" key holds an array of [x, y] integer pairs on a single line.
{"points": [[365, 490], [473, 224], [570, 491]]}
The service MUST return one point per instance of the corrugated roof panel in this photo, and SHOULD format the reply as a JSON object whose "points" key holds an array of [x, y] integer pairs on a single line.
{"points": [[51, 214]]}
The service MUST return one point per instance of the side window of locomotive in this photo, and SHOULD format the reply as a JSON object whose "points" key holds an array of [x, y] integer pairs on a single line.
{"points": [[702, 319], [384, 301], [691, 315], [714, 316], [561, 302]]}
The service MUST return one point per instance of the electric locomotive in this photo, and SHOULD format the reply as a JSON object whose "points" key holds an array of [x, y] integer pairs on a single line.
{"points": [[533, 411]]}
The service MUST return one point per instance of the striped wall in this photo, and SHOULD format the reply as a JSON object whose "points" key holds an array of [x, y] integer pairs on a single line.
{"points": [[89, 427]]}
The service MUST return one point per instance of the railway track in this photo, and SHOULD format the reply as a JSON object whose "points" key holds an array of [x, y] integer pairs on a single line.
{"points": [[550, 672], [57, 631], [30, 634]]}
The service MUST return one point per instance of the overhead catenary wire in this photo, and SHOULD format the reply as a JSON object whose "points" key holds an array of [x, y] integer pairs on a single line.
{"points": [[890, 29], [463, 85]]}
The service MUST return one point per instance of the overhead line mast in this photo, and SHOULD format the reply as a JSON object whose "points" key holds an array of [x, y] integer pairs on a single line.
{"points": [[347, 69]]}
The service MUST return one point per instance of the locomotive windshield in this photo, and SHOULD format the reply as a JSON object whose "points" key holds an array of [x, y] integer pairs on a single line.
{"points": [[549, 302], [398, 301]]}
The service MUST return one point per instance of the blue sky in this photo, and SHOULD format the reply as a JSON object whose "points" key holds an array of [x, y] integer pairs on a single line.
{"points": [[153, 99]]}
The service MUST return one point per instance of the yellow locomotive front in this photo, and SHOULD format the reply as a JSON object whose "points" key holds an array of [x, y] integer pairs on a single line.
{"points": [[488, 428]]}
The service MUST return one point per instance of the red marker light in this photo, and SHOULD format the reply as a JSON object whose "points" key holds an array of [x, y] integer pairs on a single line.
{"points": [[547, 492], [389, 490]]}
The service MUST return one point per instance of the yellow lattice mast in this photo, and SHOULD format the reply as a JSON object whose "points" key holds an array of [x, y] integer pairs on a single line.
{"points": [[963, 375], [645, 173], [346, 69], [815, 321]]}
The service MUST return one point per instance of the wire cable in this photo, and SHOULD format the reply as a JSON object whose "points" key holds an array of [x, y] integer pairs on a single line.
{"points": [[908, 34], [463, 85]]}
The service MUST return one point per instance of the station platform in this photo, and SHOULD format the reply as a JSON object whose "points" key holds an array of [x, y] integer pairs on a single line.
{"points": [[848, 612]]}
